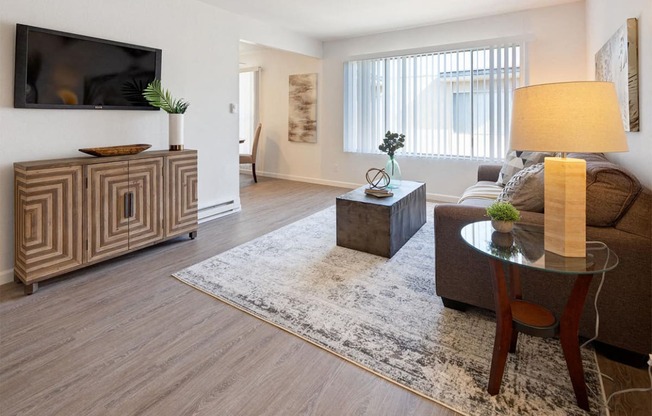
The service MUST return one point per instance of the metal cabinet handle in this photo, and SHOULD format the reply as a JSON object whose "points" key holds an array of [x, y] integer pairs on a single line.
{"points": [[129, 208], [126, 205]]}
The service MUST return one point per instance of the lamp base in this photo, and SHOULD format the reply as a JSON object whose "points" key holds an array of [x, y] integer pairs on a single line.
{"points": [[565, 206]]}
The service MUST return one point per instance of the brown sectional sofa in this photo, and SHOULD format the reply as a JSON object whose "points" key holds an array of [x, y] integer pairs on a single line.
{"points": [[619, 214]]}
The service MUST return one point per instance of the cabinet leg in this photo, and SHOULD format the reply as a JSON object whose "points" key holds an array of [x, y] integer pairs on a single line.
{"points": [[17, 279], [193, 235], [31, 288]]}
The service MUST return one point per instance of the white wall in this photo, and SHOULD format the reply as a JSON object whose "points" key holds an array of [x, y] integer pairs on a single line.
{"points": [[603, 18], [276, 155], [200, 64], [556, 53]]}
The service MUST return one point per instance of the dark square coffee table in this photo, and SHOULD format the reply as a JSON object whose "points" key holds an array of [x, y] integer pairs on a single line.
{"points": [[380, 226]]}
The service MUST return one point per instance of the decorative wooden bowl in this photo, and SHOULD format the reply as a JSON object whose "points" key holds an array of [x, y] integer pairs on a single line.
{"points": [[127, 149]]}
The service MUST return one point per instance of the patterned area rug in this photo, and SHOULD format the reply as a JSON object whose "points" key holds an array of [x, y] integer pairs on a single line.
{"points": [[383, 315]]}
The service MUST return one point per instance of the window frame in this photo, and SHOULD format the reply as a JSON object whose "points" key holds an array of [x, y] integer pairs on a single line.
{"points": [[515, 64]]}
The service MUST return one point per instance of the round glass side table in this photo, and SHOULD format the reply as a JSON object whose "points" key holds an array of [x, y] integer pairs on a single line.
{"points": [[523, 247]]}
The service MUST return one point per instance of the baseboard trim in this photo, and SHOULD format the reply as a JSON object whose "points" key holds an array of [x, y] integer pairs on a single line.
{"points": [[449, 199], [429, 196], [6, 276], [217, 211], [306, 179]]}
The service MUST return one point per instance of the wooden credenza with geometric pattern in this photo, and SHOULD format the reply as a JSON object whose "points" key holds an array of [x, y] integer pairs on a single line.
{"points": [[70, 213]]}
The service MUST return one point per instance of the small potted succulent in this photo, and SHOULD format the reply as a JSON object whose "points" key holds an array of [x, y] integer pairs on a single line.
{"points": [[503, 215]]}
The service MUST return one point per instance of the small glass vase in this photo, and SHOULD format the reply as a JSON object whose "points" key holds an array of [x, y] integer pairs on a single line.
{"points": [[394, 171]]}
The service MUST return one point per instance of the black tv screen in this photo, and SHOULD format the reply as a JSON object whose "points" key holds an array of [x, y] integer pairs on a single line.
{"points": [[63, 70]]}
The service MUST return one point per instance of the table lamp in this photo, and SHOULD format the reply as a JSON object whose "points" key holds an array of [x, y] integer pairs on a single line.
{"points": [[566, 117]]}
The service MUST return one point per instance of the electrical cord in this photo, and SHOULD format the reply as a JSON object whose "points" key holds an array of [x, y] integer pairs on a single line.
{"points": [[597, 293], [649, 371], [597, 327]]}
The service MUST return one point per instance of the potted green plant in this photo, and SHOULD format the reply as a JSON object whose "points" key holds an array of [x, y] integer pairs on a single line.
{"points": [[159, 97], [391, 143], [503, 215]]}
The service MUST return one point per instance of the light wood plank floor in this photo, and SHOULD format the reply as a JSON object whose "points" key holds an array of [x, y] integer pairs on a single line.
{"points": [[125, 338]]}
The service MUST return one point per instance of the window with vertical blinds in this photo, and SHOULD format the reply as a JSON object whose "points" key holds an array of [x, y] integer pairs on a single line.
{"points": [[450, 104]]}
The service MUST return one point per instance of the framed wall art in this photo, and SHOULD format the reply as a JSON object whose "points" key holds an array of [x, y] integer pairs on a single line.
{"points": [[617, 62], [302, 114]]}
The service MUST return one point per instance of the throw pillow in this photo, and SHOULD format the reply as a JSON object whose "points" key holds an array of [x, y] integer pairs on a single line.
{"points": [[610, 190], [525, 189], [517, 160]]}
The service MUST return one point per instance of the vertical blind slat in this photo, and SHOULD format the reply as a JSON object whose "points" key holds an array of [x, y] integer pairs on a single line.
{"points": [[431, 105], [492, 104], [506, 95], [448, 104], [440, 116]]}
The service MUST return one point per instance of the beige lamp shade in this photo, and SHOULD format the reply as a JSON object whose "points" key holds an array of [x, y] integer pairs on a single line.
{"points": [[567, 117]]}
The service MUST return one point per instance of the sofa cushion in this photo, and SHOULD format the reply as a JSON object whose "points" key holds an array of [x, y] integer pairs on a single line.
{"points": [[525, 189], [517, 160], [637, 219], [481, 191], [610, 190]]}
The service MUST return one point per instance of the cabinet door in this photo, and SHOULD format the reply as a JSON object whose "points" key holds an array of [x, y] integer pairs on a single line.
{"points": [[48, 221], [107, 210], [146, 199], [181, 194]]}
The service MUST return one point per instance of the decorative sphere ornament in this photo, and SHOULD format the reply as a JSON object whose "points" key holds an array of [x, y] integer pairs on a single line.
{"points": [[377, 178]]}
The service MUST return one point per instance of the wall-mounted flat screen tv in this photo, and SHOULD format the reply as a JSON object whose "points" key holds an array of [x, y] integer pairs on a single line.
{"points": [[63, 70]]}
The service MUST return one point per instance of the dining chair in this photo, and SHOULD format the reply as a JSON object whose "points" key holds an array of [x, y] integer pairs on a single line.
{"points": [[251, 158]]}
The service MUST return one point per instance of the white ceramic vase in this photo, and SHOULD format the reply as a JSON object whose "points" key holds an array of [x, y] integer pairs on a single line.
{"points": [[176, 131], [502, 240], [502, 226]]}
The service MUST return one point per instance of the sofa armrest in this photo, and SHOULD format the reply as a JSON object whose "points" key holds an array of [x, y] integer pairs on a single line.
{"points": [[462, 273], [488, 173], [458, 268]]}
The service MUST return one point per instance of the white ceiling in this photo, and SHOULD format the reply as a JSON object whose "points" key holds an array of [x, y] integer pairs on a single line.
{"points": [[337, 19]]}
